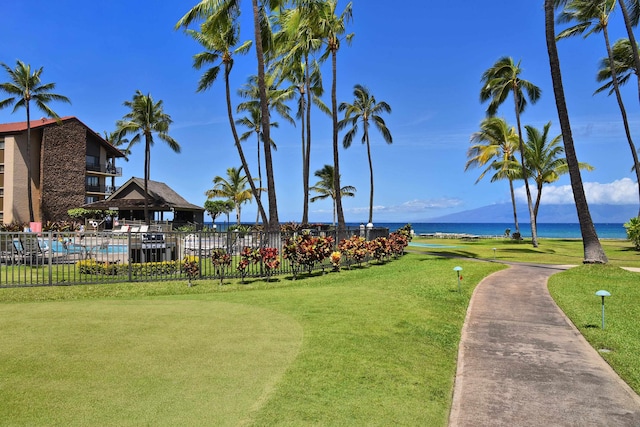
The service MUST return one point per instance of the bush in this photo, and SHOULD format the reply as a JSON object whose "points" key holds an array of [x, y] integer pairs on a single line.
{"points": [[633, 231]]}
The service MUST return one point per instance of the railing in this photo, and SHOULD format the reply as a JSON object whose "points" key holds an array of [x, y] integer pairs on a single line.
{"points": [[106, 169], [54, 258]]}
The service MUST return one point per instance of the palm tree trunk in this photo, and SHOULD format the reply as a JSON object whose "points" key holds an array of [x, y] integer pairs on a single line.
{"points": [[147, 155], [243, 159], [593, 252], [366, 135], [29, 191], [274, 223], [513, 203], [632, 41], [307, 155], [258, 196], [537, 204], [623, 111], [336, 161], [532, 218]]}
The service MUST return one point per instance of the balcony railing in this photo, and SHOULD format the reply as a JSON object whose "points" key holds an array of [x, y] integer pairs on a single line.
{"points": [[105, 169], [101, 189]]}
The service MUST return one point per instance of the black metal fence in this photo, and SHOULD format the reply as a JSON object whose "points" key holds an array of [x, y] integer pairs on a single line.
{"points": [[64, 258]]}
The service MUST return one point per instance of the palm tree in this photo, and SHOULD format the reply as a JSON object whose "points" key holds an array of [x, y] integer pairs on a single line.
{"points": [[146, 118], [495, 146], [544, 159], [118, 140], [624, 65], [592, 16], [253, 121], [298, 40], [25, 86], [219, 39], [631, 15], [234, 189], [593, 252], [366, 110], [499, 81], [228, 10], [325, 188], [332, 29]]}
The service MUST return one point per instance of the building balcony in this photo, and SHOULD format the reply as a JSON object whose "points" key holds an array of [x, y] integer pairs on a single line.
{"points": [[106, 170], [100, 189]]}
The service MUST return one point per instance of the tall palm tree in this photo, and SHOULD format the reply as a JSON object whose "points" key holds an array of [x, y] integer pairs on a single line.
{"points": [[253, 121], [146, 118], [234, 188], [502, 79], [217, 10], [592, 16], [593, 252], [631, 15], [325, 188], [544, 159], [366, 110], [332, 28], [25, 86], [220, 38], [298, 40], [494, 146]]}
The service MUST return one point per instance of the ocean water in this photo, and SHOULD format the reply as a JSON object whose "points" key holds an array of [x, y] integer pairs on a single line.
{"points": [[548, 230], [558, 231]]}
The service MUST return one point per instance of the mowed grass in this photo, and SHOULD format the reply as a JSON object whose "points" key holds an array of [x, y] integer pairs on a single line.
{"points": [[370, 346], [574, 291], [549, 251]]}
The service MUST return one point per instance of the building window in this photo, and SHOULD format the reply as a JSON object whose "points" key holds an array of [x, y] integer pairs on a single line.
{"points": [[93, 163], [1, 168], [1, 142], [91, 199], [1, 192]]}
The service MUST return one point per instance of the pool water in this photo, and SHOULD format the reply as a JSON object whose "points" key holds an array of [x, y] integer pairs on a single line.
{"points": [[57, 246]]}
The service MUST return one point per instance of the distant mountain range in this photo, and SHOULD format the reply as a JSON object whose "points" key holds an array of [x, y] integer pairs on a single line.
{"points": [[503, 212]]}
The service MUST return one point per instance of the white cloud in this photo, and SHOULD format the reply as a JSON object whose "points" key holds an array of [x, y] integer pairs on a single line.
{"points": [[411, 206], [620, 192]]}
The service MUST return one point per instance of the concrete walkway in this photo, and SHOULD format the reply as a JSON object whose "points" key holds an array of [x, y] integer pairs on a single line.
{"points": [[523, 363]]}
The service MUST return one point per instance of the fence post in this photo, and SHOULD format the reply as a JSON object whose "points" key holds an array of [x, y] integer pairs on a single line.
{"points": [[50, 257], [129, 255]]}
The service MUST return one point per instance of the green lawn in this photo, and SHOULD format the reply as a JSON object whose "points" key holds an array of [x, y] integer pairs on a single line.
{"points": [[370, 346], [374, 345]]}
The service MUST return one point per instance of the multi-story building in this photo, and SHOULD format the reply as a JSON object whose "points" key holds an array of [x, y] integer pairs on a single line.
{"points": [[71, 165]]}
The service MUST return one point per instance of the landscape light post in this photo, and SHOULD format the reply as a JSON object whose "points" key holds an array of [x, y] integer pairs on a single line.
{"points": [[369, 228], [603, 294], [458, 269]]}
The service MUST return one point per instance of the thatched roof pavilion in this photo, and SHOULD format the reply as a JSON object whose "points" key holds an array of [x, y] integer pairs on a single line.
{"points": [[129, 201]]}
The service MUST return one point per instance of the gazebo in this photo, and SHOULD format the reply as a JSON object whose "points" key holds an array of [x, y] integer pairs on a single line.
{"points": [[129, 201]]}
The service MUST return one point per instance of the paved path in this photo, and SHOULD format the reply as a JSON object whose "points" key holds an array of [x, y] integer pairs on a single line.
{"points": [[522, 362]]}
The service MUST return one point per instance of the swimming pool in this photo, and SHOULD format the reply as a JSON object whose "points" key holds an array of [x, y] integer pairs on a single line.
{"points": [[58, 246]]}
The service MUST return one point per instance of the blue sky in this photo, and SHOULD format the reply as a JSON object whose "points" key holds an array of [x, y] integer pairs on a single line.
{"points": [[424, 59]]}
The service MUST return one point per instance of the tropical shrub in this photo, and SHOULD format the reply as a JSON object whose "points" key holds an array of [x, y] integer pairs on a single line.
{"points": [[221, 260], [336, 259], [354, 249], [633, 231], [379, 248], [305, 250], [270, 260], [191, 267], [248, 256], [91, 266], [398, 242]]}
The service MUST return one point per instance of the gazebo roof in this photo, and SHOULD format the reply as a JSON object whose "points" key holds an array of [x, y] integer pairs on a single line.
{"points": [[131, 196]]}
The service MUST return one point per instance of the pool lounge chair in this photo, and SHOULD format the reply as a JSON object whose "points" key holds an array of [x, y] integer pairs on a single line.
{"points": [[25, 253], [122, 230]]}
